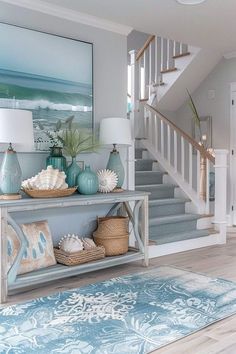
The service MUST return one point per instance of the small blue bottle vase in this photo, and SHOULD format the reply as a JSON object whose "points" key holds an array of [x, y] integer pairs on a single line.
{"points": [[10, 173], [72, 173], [87, 182], [56, 159]]}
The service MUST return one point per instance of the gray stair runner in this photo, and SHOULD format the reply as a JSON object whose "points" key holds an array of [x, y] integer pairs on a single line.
{"points": [[168, 221]]}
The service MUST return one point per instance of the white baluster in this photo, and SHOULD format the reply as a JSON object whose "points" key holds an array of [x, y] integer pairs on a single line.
{"points": [[207, 186], [198, 173], [182, 157], [170, 53], [140, 78], [158, 60], [144, 73], [156, 131], [163, 54], [150, 135], [162, 137], [176, 48], [220, 193], [150, 69], [190, 173], [145, 124], [168, 143], [175, 151]]}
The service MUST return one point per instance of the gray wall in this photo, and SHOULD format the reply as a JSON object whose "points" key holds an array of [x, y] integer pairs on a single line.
{"points": [[110, 89], [219, 107], [110, 73]]}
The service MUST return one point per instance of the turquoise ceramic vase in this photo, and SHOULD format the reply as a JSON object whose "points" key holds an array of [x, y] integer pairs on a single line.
{"points": [[115, 164], [72, 172], [56, 159], [10, 173], [87, 182]]}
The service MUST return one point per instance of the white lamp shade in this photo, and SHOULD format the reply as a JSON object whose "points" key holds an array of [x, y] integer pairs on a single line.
{"points": [[16, 127], [115, 131]]}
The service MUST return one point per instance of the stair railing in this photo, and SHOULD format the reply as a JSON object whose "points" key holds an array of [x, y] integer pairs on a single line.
{"points": [[157, 56], [188, 163]]}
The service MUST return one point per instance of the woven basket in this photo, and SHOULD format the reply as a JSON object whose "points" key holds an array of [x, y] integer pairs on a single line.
{"points": [[114, 246], [112, 226], [50, 193], [80, 257]]}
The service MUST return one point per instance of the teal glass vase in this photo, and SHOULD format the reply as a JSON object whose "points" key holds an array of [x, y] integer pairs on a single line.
{"points": [[87, 182], [56, 159], [10, 173], [72, 172]]}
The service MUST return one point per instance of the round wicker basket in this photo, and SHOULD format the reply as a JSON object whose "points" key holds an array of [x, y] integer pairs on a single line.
{"points": [[114, 246], [112, 226]]}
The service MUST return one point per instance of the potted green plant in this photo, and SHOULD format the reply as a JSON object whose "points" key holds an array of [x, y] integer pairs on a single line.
{"points": [[74, 142], [197, 121]]}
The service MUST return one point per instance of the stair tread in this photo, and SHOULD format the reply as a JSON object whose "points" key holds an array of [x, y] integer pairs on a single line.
{"points": [[150, 172], [168, 201], [157, 185], [169, 219], [179, 236]]}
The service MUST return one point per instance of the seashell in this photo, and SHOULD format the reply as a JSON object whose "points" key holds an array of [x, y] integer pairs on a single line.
{"points": [[71, 243], [107, 180], [46, 179], [88, 243]]}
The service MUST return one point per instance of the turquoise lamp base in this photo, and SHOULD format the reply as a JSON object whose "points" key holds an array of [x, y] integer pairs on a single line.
{"points": [[10, 175], [115, 164]]}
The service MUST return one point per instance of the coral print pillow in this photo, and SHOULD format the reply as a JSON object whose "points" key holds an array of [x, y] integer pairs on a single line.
{"points": [[39, 251]]}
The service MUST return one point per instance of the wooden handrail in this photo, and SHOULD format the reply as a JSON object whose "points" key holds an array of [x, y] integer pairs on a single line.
{"points": [[144, 47], [204, 153]]}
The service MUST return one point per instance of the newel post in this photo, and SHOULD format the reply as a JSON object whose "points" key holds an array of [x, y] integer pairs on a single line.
{"points": [[221, 193], [131, 149]]}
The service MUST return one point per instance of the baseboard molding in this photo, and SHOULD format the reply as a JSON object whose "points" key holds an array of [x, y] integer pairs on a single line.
{"points": [[182, 246]]}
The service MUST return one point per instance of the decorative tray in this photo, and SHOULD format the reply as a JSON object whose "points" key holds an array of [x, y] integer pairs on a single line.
{"points": [[80, 257], [49, 193]]}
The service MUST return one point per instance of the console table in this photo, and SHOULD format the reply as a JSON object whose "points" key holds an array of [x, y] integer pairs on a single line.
{"points": [[132, 203]]}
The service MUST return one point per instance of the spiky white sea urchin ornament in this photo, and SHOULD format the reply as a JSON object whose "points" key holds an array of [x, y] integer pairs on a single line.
{"points": [[107, 180]]}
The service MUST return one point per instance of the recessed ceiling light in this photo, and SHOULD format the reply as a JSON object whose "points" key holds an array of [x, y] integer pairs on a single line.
{"points": [[190, 2]]}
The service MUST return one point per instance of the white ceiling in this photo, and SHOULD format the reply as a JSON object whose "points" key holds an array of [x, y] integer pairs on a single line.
{"points": [[211, 24]]}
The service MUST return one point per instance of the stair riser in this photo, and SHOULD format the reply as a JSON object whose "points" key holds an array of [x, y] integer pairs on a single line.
{"points": [[139, 153], [163, 229], [168, 209], [152, 178], [161, 193], [175, 238], [143, 165]]}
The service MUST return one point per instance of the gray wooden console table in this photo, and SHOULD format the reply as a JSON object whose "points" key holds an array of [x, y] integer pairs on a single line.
{"points": [[134, 204]]}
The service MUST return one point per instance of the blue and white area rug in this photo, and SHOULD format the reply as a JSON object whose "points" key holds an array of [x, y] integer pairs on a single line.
{"points": [[133, 314]]}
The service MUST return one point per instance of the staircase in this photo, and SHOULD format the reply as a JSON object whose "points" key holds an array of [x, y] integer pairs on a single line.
{"points": [[168, 219], [167, 162]]}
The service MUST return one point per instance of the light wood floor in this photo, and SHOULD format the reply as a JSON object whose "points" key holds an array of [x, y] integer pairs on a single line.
{"points": [[217, 261]]}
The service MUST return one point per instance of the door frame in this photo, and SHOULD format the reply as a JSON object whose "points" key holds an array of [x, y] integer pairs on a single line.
{"points": [[232, 137]]}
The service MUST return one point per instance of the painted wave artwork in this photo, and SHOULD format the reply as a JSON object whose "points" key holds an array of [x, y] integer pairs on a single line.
{"points": [[56, 104], [133, 314]]}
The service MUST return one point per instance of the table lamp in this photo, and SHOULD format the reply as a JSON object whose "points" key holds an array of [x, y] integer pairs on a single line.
{"points": [[16, 127], [115, 131]]}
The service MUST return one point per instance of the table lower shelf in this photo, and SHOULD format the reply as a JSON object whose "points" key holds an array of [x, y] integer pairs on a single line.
{"points": [[60, 271]]}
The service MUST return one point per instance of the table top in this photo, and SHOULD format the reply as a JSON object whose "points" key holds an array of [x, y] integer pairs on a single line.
{"points": [[75, 199]]}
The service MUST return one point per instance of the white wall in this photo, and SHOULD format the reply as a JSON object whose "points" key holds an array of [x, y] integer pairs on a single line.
{"points": [[110, 74]]}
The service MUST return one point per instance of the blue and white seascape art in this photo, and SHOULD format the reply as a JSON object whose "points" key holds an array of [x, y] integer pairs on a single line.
{"points": [[133, 314], [51, 76]]}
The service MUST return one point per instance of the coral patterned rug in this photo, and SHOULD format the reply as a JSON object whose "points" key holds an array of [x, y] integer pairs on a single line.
{"points": [[132, 314]]}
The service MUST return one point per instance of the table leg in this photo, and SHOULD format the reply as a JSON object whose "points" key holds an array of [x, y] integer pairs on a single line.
{"points": [[3, 255], [144, 229]]}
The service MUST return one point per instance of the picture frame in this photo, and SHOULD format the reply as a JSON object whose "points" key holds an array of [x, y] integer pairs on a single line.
{"points": [[50, 75]]}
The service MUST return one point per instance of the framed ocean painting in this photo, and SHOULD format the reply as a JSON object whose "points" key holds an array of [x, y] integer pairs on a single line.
{"points": [[51, 76]]}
